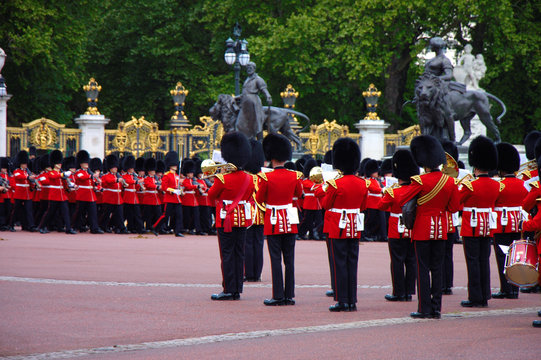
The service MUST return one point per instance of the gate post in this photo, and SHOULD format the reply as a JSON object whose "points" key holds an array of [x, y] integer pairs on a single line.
{"points": [[93, 134], [4, 98]]}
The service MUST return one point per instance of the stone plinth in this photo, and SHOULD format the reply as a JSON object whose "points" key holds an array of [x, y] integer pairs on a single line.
{"points": [[3, 123], [477, 128], [93, 134], [372, 138]]}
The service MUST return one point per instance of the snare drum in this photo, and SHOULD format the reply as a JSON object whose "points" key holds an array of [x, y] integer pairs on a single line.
{"points": [[521, 263]]}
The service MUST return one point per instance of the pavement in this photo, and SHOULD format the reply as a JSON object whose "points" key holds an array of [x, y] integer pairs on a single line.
{"points": [[144, 297]]}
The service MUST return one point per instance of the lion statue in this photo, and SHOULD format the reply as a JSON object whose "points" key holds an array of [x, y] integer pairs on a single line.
{"points": [[276, 119], [439, 106]]}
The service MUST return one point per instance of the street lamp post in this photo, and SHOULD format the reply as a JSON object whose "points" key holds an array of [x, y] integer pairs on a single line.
{"points": [[237, 54], [179, 119]]}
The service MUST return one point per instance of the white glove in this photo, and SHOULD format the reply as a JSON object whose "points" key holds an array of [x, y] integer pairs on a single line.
{"points": [[67, 173], [176, 191]]}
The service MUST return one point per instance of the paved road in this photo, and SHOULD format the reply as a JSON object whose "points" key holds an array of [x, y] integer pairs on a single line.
{"points": [[129, 297]]}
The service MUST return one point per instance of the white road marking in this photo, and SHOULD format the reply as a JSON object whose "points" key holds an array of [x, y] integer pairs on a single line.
{"points": [[68, 354]]}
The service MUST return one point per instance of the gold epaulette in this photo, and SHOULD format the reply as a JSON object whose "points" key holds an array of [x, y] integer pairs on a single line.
{"points": [[502, 186], [299, 175], [221, 178], [389, 191], [526, 173], [332, 182], [457, 181], [468, 184], [535, 184], [262, 175], [417, 179]]}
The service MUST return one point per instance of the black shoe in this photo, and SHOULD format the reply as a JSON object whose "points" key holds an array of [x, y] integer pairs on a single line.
{"points": [[447, 291], [352, 307], [536, 323], [12, 229], [179, 235], [539, 313], [512, 295], [33, 229], [472, 304], [436, 315], [71, 232], [500, 295], [99, 231], [124, 231], [339, 306], [250, 279], [225, 296], [290, 301], [201, 233], [212, 232], [43, 230], [274, 302], [329, 293], [108, 231], [418, 315]]}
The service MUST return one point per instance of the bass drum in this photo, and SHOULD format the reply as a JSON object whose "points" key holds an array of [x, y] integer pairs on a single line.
{"points": [[521, 264]]}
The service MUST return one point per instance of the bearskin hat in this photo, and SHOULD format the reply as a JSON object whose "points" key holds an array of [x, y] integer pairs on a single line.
{"points": [[427, 151], [198, 169], [95, 164], [32, 151], [171, 159], [370, 167], [43, 162], [55, 157], [537, 149], [188, 166], [386, 167], [308, 166], [327, 158], [450, 148], [258, 157], [22, 158], [111, 161], [128, 162], [236, 149], [160, 166], [482, 154], [140, 164], [83, 157], [150, 164], [508, 158], [404, 165], [4, 163], [361, 166], [68, 163], [346, 155], [290, 165], [277, 147], [299, 164], [529, 143]]}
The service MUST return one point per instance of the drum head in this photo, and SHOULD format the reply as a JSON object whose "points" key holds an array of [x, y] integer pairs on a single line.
{"points": [[522, 274]]}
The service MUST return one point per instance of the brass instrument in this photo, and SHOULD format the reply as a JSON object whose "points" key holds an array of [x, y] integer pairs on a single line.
{"points": [[316, 175], [527, 166], [209, 168], [466, 178], [450, 168]]}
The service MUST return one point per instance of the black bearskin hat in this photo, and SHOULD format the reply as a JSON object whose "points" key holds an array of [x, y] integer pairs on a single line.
{"points": [[327, 158], [450, 148], [529, 143], [22, 158], [290, 165], [95, 164], [160, 166], [299, 164], [427, 151], [508, 158], [111, 161], [346, 155], [4, 163], [198, 169], [386, 167], [404, 165], [150, 164], [140, 164], [277, 147], [68, 163], [171, 159], [188, 166], [83, 157], [236, 149], [55, 157], [370, 167], [308, 166], [128, 162], [361, 166], [537, 149], [43, 162], [258, 157], [482, 154], [32, 151]]}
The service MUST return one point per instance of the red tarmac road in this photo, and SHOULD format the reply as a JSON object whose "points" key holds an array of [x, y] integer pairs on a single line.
{"points": [[123, 297]]}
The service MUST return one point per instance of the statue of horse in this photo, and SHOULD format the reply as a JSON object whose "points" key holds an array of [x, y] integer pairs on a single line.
{"points": [[439, 105], [226, 110]]}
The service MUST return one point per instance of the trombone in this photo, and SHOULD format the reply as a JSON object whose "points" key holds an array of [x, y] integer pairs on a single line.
{"points": [[209, 168]]}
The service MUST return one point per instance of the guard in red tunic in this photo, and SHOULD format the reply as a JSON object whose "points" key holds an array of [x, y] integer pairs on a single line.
{"points": [[401, 247], [190, 206], [345, 199], [69, 167], [276, 190], [171, 186], [206, 209], [312, 219], [437, 194], [25, 182], [232, 193], [43, 194], [151, 203], [130, 200], [96, 168], [509, 209], [374, 219], [87, 211], [58, 199], [5, 194], [112, 184], [479, 219], [530, 174], [140, 172]]}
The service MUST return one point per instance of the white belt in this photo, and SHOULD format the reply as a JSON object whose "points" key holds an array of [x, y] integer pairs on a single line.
{"points": [[309, 194], [150, 192], [228, 202], [295, 199], [45, 186], [510, 208], [376, 195], [85, 187], [112, 190], [396, 215], [129, 190], [479, 210], [23, 185], [279, 207], [55, 187], [189, 192], [347, 211]]}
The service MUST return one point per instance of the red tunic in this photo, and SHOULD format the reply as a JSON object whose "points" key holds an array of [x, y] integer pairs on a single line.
{"points": [[6, 194], [202, 197], [374, 194], [22, 185], [56, 186], [130, 196], [72, 193], [478, 195], [151, 192], [431, 218], [531, 199], [344, 200], [276, 190], [391, 202], [85, 192], [509, 205], [170, 181], [225, 190], [112, 189], [311, 202], [44, 182], [190, 189]]}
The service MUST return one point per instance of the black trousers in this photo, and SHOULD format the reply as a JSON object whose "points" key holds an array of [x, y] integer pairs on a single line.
{"points": [[22, 211], [311, 222], [132, 213], [86, 213], [374, 225], [282, 245], [191, 218], [151, 214], [345, 255], [448, 267], [5, 213], [232, 256], [52, 212], [253, 252], [403, 266], [429, 255], [504, 239], [331, 266], [40, 210], [172, 214], [477, 253], [112, 214], [205, 218]]}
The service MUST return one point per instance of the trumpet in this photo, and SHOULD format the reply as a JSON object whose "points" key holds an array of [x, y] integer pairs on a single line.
{"points": [[451, 167], [209, 168], [527, 166], [316, 175]]}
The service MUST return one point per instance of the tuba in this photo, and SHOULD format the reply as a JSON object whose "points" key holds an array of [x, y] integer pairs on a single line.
{"points": [[316, 175], [209, 168], [527, 166], [450, 168]]}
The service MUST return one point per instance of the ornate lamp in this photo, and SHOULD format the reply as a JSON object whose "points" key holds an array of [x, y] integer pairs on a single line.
{"points": [[179, 119], [371, 96], [3, 90], [289, 96], [236, 54], [92, 91]]}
